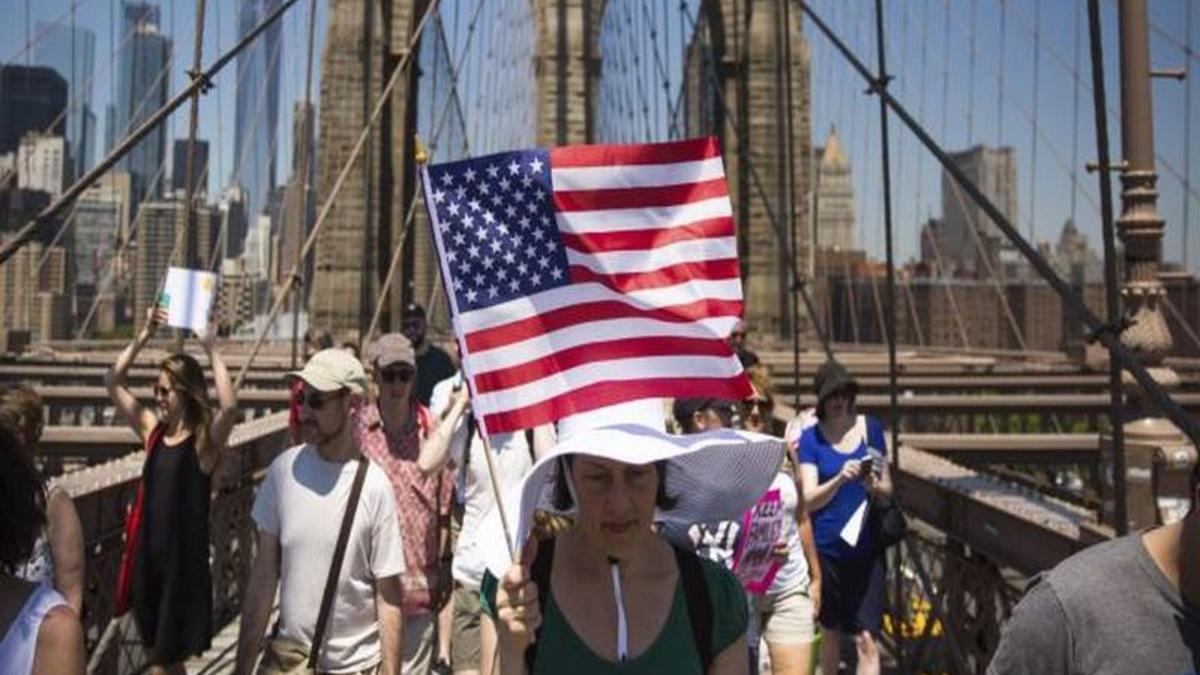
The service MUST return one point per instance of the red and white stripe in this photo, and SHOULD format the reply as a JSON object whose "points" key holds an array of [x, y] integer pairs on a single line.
{"points": [[652, 257]]}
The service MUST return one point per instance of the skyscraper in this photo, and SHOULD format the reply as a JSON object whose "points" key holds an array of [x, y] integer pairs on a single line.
{"points": [[994, 170], [179, 158], [42, 163], [71, 52], [31, 99], [835, 196], [257, 112], [142, 85]]}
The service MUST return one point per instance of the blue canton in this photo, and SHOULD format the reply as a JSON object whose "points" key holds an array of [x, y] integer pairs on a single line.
{"points": [[495, 216]]}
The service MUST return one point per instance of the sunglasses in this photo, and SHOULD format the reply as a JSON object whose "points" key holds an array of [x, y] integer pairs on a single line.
{"points": [[315, 401], [402, 375], [760, 404]]}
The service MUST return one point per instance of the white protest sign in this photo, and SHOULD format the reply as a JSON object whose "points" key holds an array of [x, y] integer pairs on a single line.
{"points": [[188, 296], [853, 529]]}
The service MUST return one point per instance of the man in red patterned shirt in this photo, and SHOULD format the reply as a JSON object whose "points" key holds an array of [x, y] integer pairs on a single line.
{"points": [[391, 433]]}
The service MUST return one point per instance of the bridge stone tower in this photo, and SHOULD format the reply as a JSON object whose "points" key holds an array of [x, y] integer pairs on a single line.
{"points": [[365, 39]]}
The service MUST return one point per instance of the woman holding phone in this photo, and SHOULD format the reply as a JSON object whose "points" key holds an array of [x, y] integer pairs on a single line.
{"points": [[842, 469], [184, 438]]}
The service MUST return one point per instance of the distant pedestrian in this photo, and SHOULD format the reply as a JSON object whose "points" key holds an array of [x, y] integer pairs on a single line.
{"points": [[1130, 605], [433, 363], [392, 434], [184, 439], [39, 632], [843, 471], [302, 510], [58, 557], [737, 340]]}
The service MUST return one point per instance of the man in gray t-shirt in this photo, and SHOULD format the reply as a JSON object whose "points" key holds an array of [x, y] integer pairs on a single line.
{"points": [[1131, 605]]}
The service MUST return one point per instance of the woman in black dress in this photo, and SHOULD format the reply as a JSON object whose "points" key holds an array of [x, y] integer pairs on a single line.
{"points": [[172, 583]]}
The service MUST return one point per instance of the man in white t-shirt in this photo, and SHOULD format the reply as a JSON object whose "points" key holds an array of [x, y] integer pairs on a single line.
{"points": [[513, 460], [299, 510]]}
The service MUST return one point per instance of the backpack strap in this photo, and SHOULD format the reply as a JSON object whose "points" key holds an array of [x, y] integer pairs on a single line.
{"points": [[699, 604], [539, 573]]}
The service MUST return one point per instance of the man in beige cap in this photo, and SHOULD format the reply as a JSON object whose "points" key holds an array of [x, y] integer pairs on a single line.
{"points": [[392, 435], [299, 513]]}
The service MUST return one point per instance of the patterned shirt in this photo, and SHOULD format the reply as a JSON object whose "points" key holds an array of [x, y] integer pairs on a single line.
{"points": [[420, 501]]}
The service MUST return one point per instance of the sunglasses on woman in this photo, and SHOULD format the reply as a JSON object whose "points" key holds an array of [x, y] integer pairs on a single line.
{"points": [[401, 375], [763, 405]]}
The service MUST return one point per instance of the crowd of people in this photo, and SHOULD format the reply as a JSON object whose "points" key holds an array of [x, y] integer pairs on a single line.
{"points": [[372, 536]]}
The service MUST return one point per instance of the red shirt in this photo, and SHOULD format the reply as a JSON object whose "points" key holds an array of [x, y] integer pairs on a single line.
{"points": [[419, 499]]}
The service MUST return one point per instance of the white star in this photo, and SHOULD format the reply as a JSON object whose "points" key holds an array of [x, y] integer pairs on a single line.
{"points": [[447, 179], [496, 245], [461, 193], [438, 196], [471, 295], [514, 285], [510, 211], [474, 204], [451, 255], [556, 273], [522, 269], [514, 168], [479, 280], [543, 262], [493, 292], [468, 222], [519, 197], [470, 175], [536, 279], [539, 235], [526, 180], [502, 274], [458, 286], [481, 232], [536, 165], [510, 257], [453, 208], [464, 269], [459, 238], [493, 171], [531, 207], [473, 250], [488, 262], [503, 229], [488, 217], [445, 226], [545, 221], [531, 251], [505, 184], [524, 222], [484, 188]]}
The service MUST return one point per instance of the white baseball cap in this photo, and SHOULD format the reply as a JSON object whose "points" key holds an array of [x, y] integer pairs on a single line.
{"points": [[331, 370]]}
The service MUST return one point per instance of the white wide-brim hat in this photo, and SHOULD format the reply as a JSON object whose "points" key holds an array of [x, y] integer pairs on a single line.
{"points": [[713, 476]]}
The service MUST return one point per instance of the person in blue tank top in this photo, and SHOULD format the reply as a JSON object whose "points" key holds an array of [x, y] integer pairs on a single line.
{"points": [[843, 469]]}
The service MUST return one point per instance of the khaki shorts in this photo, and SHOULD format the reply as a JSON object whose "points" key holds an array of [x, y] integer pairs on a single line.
{"points": [[464, 646], [785, 618]]}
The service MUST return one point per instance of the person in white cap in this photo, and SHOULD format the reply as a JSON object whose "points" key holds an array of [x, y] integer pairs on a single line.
{"points": [[611, 595], [354, 625]]}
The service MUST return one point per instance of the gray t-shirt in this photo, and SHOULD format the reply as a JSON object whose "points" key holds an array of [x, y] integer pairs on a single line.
{"points": [[302, 501], [1108, 609]]}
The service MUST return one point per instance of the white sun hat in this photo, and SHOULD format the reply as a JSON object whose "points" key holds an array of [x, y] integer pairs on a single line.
{"points": [[713, 476]]}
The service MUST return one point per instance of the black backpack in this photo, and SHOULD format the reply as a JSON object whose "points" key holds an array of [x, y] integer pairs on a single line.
{"points": [[695, 593]]}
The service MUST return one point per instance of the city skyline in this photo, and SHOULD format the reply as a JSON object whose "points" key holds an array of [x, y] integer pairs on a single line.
{"points": [[910, 25]]}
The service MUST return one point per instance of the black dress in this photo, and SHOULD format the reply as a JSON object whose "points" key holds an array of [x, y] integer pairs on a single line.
{"points": [[172, 584]]}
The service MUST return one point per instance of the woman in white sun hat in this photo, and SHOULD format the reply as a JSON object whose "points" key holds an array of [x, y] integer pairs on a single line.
{"points": [[610, 594]]}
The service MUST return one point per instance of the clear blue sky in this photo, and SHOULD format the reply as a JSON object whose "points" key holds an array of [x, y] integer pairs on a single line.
{"points": [[916, 39]]}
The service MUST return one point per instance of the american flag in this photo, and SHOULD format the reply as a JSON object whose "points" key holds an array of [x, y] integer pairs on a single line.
{"points": [[585, 276]]}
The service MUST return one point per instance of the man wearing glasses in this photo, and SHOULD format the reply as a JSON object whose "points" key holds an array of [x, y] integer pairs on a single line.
{"points": [[299, 513], [391, 434]]}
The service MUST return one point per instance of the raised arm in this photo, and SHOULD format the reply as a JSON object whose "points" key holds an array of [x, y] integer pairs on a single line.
{"points": [[66, 547], [139, 418], [227, 411], [819, 494], [435, 451], [256, 605]]}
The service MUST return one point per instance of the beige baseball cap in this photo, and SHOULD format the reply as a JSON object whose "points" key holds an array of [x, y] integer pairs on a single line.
{"points": [[390, 349], [331, 370]]}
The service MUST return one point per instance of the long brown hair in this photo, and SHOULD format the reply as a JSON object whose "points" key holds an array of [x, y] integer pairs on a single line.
{"points": [[187, 378]]}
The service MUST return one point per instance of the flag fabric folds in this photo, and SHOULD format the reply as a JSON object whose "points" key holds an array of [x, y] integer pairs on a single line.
{"points": [[585, 276]]}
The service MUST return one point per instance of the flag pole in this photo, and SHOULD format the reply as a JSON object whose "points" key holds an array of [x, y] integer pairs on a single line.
{"points": [[493, 479]]}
